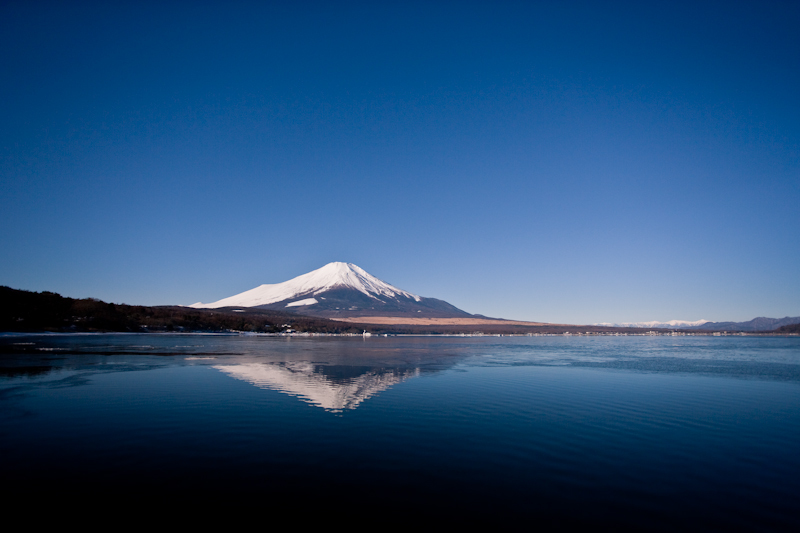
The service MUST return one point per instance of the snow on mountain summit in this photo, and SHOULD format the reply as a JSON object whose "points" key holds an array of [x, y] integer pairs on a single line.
{"points": [[332, 275]]}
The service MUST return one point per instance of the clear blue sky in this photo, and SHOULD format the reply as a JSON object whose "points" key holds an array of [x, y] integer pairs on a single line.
{"points": [[559, 161]]}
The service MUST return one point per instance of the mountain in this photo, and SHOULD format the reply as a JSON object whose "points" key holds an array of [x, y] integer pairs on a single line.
{"points": [[339, 290], [757, 324], [670, 324]]}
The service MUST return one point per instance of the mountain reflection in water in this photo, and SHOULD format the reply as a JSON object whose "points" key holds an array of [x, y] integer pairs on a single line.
{"points": [[334, 388]]}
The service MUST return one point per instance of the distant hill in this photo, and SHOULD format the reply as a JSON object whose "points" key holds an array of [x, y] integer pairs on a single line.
{"points": [[757, 324], [670, 324], [791, 328]]}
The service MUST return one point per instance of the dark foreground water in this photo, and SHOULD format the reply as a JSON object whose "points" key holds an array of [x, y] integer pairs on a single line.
{"points": [[643, 432]]}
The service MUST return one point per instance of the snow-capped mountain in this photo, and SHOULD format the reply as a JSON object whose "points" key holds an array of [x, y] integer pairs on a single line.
{"points": [[656, 324], [338, 290], [757, 324]]}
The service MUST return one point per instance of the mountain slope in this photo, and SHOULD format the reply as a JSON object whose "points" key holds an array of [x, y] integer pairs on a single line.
{"points": [[338, 290]]}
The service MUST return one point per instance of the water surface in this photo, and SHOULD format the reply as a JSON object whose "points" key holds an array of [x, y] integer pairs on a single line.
{"points": [[652, 432]]}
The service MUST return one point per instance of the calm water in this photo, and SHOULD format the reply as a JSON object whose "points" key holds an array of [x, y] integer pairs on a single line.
{"points": [[646, 432]]}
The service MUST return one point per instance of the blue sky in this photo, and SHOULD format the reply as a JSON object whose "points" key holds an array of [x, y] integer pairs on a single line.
{"points": [[559, 161]]}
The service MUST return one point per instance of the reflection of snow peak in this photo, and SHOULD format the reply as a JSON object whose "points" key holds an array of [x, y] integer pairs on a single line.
{"points": [[330, 276], [302, 379]]}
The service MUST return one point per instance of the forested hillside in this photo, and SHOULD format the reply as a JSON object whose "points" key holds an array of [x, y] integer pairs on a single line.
{"points": [[47, 311]]}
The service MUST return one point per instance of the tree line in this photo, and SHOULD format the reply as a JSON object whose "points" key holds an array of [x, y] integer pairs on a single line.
{"points": [[26, 311]]}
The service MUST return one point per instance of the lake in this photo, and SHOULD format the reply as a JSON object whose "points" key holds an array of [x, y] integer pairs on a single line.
{"points": [[640, 432]]}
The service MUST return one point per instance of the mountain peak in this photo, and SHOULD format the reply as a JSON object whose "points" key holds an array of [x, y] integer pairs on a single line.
{"points": [[341, 271]]}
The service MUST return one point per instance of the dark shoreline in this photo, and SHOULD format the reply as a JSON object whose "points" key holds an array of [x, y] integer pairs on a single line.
{"points": [[32, 312]]}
